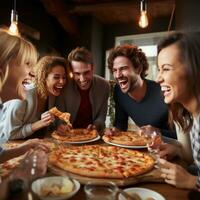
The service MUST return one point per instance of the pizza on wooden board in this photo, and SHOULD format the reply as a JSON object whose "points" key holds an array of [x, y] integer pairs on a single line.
{"points": [[129, 138], [75, 135], [99, 161]]}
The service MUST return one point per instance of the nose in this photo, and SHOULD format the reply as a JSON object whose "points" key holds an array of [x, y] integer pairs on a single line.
{"points": [[118, 74], [82, 77], [159, 77], [62, 80]]}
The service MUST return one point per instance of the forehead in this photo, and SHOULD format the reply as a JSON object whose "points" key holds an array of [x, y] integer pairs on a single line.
{"points": [[121, 61], [80, 67], [57, 69], [169, 55]]}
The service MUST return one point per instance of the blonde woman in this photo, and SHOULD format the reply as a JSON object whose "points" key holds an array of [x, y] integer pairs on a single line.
{"points": [[17, 56], [23, 118]]}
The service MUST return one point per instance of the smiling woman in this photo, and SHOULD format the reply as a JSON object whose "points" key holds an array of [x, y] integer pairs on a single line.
{"points": [[179, 72], [24, 117]]}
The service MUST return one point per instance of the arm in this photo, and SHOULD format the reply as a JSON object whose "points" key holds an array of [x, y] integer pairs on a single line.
{"points": [[8, 154], [184, 141], [13, 120], [46, 119], [180, 147], [121, 118]]}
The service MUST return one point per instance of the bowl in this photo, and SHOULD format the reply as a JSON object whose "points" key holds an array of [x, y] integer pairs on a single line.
{"points": [[144, 194], [55, 187]]}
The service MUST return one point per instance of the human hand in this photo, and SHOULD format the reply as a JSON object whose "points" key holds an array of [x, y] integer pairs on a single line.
{"points": [[91, 127], [168, 151], [176, 175], [149, 129], [32, 144], [62, 128], [32, 166], [47, 118], [111, 131]]}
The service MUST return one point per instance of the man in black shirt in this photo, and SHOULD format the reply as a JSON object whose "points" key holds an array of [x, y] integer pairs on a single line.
{"points": [[134, 96]]}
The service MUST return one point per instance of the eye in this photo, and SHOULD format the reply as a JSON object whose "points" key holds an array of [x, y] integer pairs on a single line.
{"points": [[166, 68]]}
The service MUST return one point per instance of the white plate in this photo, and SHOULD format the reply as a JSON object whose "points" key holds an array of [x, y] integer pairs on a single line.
{"points": [[36, 187], [127, 146], [143, 193], [84, 141]]}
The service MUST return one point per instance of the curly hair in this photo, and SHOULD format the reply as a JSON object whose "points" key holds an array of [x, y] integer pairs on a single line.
{"points": [[43, 68], [80, 54], [133, 53]]}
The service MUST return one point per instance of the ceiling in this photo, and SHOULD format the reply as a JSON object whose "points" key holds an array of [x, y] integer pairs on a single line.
{"points": [[107, 12]]}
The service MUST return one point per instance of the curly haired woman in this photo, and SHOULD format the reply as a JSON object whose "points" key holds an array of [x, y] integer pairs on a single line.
{"points": [[23, 118]]}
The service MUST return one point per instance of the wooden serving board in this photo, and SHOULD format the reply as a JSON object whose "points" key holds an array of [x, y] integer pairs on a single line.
{"points": [[152, 176]]}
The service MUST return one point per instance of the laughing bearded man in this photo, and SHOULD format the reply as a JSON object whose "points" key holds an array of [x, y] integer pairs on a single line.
{"points": [[134, 96]]}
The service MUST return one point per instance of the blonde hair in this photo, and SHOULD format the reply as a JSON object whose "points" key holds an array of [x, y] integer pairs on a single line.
{"points": [[43, 68], [14, 48]]}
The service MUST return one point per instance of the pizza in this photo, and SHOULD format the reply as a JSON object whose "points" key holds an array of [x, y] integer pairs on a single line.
{"points": [[101, 161], [47, 142], [63, 116], [75, 135], [129, 138]]}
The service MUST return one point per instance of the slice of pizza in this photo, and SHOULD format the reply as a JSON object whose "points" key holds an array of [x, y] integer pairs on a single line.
{"points": [[64, 116]]}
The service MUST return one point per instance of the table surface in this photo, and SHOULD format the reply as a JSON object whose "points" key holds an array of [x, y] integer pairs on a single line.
{"points": [[167, 191]]}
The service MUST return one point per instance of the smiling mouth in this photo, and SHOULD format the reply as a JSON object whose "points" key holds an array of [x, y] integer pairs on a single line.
{"points": [[165, 90], [26, 82], [122, 83]]}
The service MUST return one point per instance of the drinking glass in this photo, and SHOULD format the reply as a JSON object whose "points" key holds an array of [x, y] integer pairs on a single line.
{"points": [[107, 191], [154, 140]]}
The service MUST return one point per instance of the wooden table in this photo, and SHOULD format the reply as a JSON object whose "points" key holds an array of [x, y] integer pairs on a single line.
{"points": [[169, 192]]}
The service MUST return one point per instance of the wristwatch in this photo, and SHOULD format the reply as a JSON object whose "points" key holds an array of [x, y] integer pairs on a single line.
{"points": [[16, 186]]}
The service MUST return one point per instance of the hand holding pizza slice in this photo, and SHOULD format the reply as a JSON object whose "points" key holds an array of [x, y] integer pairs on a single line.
{"points": [[63, 116]]}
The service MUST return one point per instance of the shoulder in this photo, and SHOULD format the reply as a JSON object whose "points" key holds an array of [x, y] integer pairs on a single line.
{"points": [[100, 81], [15, 105]]}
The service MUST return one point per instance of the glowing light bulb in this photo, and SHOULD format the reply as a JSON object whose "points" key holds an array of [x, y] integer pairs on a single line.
{"points": [[13, 29], [143, 21]]}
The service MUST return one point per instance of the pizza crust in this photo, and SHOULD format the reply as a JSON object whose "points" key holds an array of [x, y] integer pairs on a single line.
{"points": [[129, 138], [75, 135]]}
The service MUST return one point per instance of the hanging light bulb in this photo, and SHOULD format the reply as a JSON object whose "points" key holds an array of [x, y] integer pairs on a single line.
{"points": [[14, 21], [143, 21]]}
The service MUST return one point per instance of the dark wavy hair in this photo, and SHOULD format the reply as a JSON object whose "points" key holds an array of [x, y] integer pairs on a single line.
{"points": [[133, 53], [188, 44]]}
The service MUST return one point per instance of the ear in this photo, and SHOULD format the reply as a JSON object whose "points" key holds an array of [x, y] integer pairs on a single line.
{"points": [[139, 70]]}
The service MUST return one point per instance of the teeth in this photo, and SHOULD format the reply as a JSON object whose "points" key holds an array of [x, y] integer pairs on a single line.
{"points": [[165, 88], [59, 87]]}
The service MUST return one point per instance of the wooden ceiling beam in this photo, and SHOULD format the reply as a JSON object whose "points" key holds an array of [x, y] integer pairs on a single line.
{"points": [[123, 11], [59, 10], [95, 7]]}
